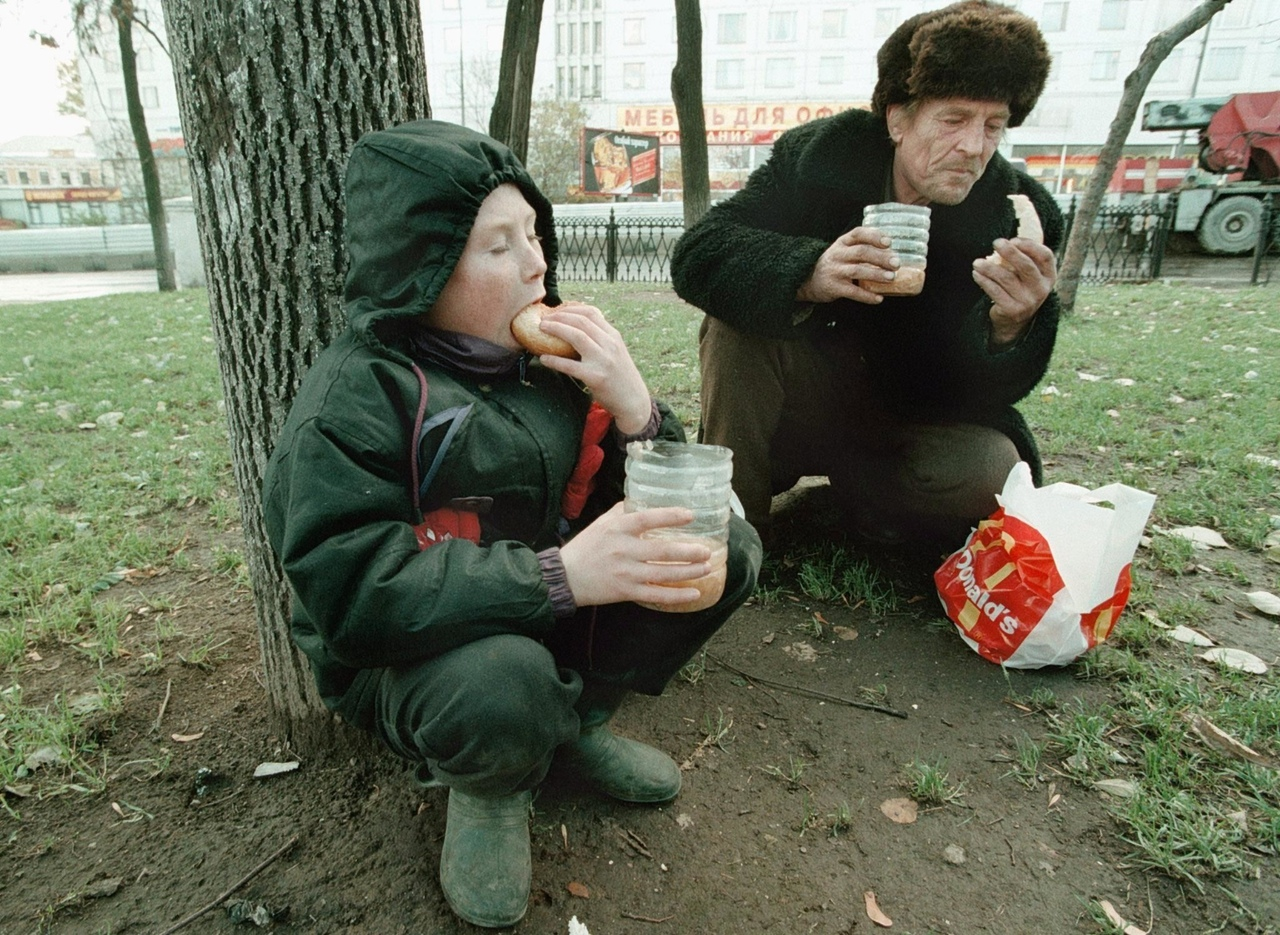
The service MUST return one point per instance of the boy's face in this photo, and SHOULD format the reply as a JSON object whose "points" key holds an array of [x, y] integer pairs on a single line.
{"points": [[499, 273]]}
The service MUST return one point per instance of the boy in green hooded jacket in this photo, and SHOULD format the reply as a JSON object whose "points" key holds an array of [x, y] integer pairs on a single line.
{"points": [[462, 589]]}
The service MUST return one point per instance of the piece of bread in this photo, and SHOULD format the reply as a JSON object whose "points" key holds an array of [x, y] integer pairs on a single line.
{"points": [[526, 327], [1029, 226]]}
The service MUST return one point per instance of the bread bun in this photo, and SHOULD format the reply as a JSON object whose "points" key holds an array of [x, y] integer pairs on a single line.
{"points": [[1029, 226], [527, 329]]}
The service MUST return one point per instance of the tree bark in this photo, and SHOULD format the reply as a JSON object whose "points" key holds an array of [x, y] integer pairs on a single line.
{"points": [[166, 279], [686, 93], [509, 120], [1135, 85], [272, 97]]}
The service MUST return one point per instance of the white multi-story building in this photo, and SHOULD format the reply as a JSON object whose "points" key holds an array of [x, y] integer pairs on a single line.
{"points": [[770, 65]]}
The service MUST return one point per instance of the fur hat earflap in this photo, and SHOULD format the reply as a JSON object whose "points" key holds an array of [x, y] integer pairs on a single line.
{"points": [[973, 49]]}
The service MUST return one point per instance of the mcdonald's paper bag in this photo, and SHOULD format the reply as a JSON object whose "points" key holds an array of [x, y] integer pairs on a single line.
{"points": [[1044, 579]]}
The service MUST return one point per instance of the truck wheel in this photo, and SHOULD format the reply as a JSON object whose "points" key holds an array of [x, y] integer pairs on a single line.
{"points": [[1231, 225]]}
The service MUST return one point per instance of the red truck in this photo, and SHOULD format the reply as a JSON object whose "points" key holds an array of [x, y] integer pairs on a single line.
{"points": [[1239, 164]]}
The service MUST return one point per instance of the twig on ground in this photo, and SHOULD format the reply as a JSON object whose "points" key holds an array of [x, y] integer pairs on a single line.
{"points": [[634, 841], [217, 900], [810, 692], [168, 687], [632, 915]]}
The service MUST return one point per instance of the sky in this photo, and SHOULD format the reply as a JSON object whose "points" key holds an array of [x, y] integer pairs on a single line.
{"points": [[28, 70]]}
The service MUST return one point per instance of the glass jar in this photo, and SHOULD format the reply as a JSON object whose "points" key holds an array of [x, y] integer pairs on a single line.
{"points": [[697, 477], [907, 227]]}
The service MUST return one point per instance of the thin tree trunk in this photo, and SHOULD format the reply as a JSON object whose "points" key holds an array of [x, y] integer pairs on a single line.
{"points": [[686, 93], [1135, 85], [509, 120], [273, 96], [166, 280]]}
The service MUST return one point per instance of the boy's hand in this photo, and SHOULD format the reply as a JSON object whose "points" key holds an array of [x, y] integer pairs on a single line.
{"points": [[605, 367], [609, 561]]}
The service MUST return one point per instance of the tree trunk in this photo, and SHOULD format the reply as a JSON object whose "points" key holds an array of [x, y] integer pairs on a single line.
{"points": [[1135, 85], [686, 92], [166, 280], [509, 121], [273, 96]]}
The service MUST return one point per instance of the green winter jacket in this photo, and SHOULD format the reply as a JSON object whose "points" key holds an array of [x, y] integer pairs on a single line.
{"points": [[927, 355], [338, 491]]}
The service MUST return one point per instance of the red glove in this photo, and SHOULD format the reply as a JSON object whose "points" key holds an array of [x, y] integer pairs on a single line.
{"points": [[583, 479]]}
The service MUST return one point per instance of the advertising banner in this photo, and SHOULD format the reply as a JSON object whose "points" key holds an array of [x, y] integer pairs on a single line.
{"points": [[617, 163]]}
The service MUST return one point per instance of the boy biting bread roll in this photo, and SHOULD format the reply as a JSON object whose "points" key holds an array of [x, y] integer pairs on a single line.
{"points": [[527, 329]]}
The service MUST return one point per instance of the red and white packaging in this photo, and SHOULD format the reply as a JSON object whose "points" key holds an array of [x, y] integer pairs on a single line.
{"points": [[1044, 579]]}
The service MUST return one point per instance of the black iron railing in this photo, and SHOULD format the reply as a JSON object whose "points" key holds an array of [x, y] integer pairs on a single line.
{"points": [[617, 249]]}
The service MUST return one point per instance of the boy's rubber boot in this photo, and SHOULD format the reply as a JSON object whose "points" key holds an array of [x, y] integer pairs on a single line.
{"points": [[485, 865], [624, 769]]}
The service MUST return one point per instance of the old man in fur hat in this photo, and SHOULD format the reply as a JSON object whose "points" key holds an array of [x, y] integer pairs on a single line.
{"points": [[906, 403]]}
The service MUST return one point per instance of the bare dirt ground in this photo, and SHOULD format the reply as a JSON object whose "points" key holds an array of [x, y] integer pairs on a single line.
{"points": [[779, 827]]}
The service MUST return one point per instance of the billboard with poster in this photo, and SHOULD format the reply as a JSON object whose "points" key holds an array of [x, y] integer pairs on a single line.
{"points": [[618, 163]]}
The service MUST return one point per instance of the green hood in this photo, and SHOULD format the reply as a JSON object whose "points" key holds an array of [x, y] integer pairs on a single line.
{"points": [[413, 192]]}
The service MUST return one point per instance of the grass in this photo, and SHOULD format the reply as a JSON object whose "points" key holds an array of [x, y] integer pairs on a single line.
{"points": [[113, 443]]}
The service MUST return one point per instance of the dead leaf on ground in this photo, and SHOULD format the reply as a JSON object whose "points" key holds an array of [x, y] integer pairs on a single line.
{"points": [[900, 811], [1185, 634], [1120, 788], [1118, 920], [873, 910], [1236, 659], [1215, 736], [186, 738], [1265, 601], [1199, 536], [578, 889], [845, 633]]}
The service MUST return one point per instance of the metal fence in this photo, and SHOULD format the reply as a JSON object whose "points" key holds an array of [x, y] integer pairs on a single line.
{"points": [[617, 249], [1128, 244]]}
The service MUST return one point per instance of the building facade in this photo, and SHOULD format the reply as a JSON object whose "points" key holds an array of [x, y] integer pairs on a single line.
{"points": [[772, 65]]}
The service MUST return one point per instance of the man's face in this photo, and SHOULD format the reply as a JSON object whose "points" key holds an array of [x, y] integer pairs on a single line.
{"points": [[499, 273], [943, 146]]}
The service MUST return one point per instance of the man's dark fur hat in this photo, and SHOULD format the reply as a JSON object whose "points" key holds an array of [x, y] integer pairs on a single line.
{"points": [[973, 49]]}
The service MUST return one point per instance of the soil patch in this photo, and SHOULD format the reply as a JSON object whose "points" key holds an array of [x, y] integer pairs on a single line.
{"points": [[779, 827]]}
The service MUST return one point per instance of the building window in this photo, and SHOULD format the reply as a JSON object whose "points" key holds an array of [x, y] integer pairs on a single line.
{"points": [[560, 81], [145, 59], [831, 69], [150, 97], [573, 82], [116, 101], [633, 76], [887, 20], [1053, 17], [586, 39], [1224, 63], [1105, 65], [833, 24], [730, 73], [632, 32], [24, 177], [732, 28], [597, 81], [597, 36], [66, 178], [782, 27], [779, 72], [44, 177], [573, 39], [559, 38], [86, 178], [1114, 14]]}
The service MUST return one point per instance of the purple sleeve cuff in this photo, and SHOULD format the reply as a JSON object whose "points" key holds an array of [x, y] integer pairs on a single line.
{"points": [[649, 431], [552, 565]]}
